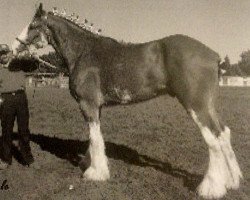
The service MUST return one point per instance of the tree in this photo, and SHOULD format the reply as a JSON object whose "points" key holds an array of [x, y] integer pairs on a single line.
{"points": [[244, 63], [231, 69], [226, 64]]}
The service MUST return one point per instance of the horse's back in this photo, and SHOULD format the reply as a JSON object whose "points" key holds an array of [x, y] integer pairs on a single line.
{"points": [[189, 48]]}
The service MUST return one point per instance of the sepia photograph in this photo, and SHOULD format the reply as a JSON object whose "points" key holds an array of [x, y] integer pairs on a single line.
{"points": [[124, 99]]}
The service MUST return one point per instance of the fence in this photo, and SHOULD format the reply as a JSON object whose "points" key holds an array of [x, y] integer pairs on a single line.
{"points": [[47, 80], [63, 81], [235, 81]]}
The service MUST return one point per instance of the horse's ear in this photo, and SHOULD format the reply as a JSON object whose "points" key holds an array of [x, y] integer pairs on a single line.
{"points": [[41, 6], [39, 11]]}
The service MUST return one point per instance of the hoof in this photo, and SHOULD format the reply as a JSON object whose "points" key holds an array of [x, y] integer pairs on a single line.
{"points": [[84, 163], [209, 189], [97, 175], [234, 180]]}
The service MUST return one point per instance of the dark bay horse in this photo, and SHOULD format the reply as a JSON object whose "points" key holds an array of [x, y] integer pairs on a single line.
{"points": [[104, 71]]}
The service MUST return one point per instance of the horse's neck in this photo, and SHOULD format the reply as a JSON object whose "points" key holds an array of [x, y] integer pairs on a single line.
{"points": [[71, 43]]}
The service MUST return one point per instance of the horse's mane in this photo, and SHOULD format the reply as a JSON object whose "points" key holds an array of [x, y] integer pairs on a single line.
{"points": [[86, 31], [71, 23]]}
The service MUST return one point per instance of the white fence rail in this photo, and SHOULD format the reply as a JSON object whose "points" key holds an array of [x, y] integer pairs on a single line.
{"points": [[60, 82], [235, 81]]}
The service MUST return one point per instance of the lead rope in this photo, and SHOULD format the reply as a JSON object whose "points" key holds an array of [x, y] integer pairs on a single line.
{"points": [[43, 61], [35, 56]]}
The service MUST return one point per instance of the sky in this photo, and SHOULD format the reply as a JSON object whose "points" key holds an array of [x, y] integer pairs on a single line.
{"points": [[223, 25]]}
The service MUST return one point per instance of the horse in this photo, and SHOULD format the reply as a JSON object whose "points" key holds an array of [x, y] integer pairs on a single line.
{"points": [[103, 72]]}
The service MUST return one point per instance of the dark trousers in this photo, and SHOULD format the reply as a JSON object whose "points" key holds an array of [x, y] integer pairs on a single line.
{"points": [[15, 106]]}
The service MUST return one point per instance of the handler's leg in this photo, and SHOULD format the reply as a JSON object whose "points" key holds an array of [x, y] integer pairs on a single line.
{"points": [[7, 123], [23, 128]]}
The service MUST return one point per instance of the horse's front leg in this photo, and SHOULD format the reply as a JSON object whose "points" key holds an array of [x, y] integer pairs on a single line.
{"points": [[97, 167]]}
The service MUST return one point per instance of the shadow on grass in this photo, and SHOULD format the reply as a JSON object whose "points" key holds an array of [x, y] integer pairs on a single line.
{"points": [[72, 150], [14, 151]]}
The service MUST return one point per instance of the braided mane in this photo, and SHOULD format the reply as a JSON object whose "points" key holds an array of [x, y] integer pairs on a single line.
{"points": [[84, 25], [75, 20]]}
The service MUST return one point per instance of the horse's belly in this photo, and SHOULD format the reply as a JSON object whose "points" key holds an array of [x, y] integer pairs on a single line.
{"points": [[126, 96]]}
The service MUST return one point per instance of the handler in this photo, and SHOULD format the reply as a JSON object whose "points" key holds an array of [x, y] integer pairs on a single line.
{"points": [[14, 106]]}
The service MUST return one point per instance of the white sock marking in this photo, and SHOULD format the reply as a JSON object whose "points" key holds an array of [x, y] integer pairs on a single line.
{"points": [[214, 182], [235, 172], [98, 169]]}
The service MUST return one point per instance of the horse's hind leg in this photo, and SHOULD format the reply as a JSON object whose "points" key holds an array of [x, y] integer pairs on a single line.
{"points": [[223, 172], [229, 154], [98, 168], [214, 182], [199, 100]]}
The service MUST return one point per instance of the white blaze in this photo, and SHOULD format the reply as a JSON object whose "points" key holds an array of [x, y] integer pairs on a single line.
{"points": [[23, 36], [43, 40]]}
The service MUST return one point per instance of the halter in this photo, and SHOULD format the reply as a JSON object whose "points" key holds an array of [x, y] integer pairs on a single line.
{"points": [[23, 42], [34, 56], [27, 44]]}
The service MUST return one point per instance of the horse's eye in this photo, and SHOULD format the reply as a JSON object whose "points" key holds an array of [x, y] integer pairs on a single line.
{"points": [[33, 25]]}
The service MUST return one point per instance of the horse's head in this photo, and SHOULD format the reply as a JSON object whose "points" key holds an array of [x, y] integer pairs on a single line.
{"points": [[35, 35]]}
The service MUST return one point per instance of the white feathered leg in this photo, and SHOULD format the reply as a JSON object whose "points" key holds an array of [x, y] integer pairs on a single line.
{"points": [[233, 181], [214, 182], [98, 169]]}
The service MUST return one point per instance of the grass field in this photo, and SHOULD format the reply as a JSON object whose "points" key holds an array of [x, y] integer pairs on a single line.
{"points": [[155, 151]]}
